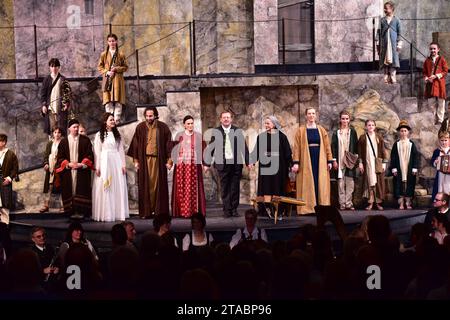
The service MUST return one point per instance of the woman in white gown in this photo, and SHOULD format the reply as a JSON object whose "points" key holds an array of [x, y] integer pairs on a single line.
{"points": [[109, 192]]}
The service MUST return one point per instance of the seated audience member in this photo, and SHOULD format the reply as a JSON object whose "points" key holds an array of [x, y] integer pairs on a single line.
{"points": [[131, 233], [5, 243], [75, 234], [440, 205], [161, 226], [439, 223], [250, 232], [24, 273], [45, 252], [198, 237]]}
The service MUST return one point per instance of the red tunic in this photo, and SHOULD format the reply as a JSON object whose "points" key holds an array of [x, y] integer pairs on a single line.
{"points": [[437, 87]]}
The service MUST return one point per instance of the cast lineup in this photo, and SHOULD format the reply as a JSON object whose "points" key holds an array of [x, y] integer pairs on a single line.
{"points": [[70, 157]]}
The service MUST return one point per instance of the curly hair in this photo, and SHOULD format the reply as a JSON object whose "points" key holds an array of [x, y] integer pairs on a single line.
{"points": [[104, 132]]}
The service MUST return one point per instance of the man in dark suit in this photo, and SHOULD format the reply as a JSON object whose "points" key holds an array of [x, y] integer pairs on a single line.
{"points": [[230, 152]]}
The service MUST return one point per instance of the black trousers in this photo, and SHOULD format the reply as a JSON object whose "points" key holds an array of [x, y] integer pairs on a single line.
{"points": [[230, 177]]}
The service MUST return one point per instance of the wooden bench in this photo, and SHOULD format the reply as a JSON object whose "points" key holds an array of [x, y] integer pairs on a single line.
{"points": [[276, 200]]}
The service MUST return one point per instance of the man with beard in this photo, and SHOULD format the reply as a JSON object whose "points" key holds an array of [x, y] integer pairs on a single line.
{"points": [[150, 150]]}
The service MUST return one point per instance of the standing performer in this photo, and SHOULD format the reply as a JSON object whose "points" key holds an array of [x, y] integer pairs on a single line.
{"points": [[274, 154], [435, 71], [150, 150], [109, 192], [188, 192], [344, 141], [112, 65], [9, 168], [390, 43], [55, 98], [312, 161], [442, 179], [372, 165], [52, 182], [404, 163], [74, 164], [230, 152]]}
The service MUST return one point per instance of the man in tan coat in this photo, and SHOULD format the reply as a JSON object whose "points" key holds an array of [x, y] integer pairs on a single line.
{"points": [[112, 65]]}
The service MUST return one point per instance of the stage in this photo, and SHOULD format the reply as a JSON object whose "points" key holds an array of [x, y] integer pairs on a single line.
{"points": [[222, 228]]}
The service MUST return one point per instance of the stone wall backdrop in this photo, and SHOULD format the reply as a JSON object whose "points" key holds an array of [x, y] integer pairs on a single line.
{"points": [[78, 48], [7, 60], [420, 31], [266, 32], [344, 41]]}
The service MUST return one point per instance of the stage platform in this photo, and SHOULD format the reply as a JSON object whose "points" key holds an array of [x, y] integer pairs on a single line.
{"points": [[221, 228]]}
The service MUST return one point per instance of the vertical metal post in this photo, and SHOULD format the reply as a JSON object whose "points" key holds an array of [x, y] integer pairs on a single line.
{"points": [[411, 75], [283, 42], [373, 41], [190, 46], [138, 76], [313, 33], [194, 53], [35, 52]]}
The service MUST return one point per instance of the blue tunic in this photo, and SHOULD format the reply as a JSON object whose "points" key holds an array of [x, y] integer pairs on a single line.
{"points": [[395, 34], [314, 151]]}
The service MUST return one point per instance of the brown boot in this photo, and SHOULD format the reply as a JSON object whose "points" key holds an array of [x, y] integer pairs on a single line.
{"points": [[44, 207]]}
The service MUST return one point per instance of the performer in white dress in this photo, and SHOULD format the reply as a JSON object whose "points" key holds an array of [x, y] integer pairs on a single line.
{"points": [[109, 192]]}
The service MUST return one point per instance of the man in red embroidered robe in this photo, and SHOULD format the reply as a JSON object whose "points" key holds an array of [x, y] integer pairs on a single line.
{"points": [[74, 165]]}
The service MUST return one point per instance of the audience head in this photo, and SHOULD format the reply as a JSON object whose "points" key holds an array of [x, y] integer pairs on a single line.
{"points": [[439, 222], [441, 200], [161, 223], [118, 235], [38, 236], [251, 216], [198, 222], [130, 229], [378, 230], [75, 233]]}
